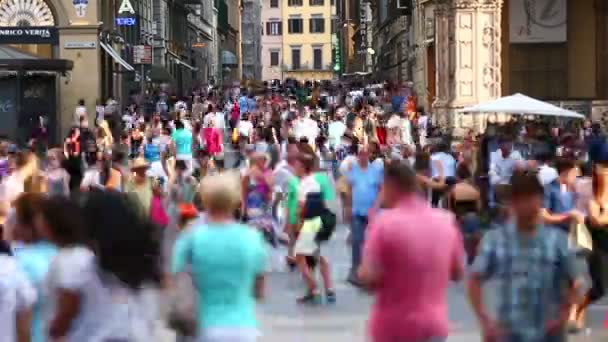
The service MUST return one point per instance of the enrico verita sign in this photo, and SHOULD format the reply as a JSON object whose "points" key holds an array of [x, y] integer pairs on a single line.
{"points": [[28, 35]]}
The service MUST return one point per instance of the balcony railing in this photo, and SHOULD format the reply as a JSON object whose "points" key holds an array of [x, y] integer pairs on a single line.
{"points": [[307, 67]]}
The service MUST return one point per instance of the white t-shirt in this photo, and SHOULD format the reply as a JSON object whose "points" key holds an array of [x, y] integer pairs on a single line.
{"points": [[80, 111], [91, 178], [245, 128], [108, 310], [306, 128], [307, 185], [16, 294]]}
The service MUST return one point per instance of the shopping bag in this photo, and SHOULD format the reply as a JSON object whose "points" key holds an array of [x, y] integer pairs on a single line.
{"points": [[235, 136], [579, 237]]}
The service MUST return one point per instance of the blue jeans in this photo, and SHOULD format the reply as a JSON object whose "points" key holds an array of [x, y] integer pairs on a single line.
{"points": [[358, 228]]}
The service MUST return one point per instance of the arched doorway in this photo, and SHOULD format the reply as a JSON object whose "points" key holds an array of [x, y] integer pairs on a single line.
{"points": [[28, 14]]}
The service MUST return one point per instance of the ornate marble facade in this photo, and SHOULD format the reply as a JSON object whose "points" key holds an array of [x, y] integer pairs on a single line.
{"points": [[469, 71]]}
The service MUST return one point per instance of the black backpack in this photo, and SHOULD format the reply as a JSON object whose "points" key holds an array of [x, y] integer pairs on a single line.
{"points": [[315, 207], [328, 226]]}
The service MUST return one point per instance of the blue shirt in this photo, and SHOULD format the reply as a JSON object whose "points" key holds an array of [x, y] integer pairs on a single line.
{"points": [[558, 201], [34, 260], [251, 104], [365, 186], [225, 261], [243, 104], [448, 164], [183, 141], [152, 152]]}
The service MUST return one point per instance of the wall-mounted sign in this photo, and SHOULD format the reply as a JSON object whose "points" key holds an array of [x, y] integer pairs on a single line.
{"points": [[125, 21], [538, 21], [126, 7], [81, 7], [142, 54], [125, 14], [363, 4], [27, 35], [80, 45], [335, 45]]}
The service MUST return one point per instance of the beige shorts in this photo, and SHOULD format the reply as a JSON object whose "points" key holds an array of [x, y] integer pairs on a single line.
{"points": [[306, 244]]}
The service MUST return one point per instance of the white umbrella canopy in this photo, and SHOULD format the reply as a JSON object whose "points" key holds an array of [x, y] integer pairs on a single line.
{"points": [[523, 105]]}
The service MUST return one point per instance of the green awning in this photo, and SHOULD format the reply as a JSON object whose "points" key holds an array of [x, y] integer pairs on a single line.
{"points": [[159, 74]]}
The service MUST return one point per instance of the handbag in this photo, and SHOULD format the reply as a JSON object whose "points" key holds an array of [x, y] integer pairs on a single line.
{"points": [[580, 238], [182, 308]]}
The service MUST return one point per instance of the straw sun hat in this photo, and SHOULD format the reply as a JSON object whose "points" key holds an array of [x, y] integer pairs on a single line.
{"points": [[139, 163]]}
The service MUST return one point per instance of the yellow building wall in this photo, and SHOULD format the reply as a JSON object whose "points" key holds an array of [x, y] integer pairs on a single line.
{"points": [[84, 82], [307, 40]]}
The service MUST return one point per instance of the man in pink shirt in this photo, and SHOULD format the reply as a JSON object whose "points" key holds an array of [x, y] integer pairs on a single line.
{"points": [[411, 254]]}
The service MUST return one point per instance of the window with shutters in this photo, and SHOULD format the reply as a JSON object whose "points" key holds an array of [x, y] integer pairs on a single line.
{"points": [[317, 55], [317, 25], [294, 2], [274, 58], [295, 59], [296, 25], [274, 3], [317, 2], [274, 28]]}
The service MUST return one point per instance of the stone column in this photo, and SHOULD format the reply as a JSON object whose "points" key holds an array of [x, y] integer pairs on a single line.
{"points": [[468, 50]]}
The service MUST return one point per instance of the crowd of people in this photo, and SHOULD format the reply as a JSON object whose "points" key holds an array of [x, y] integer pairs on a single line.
{"points": [[96, 230]]}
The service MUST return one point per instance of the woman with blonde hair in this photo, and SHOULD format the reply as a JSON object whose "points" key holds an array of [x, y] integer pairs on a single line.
{"points": [[227, 295], [57, 178]]}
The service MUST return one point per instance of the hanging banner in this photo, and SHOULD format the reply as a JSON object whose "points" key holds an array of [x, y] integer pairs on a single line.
{"points": [[363, 4], [337, 59], [538, 21]]}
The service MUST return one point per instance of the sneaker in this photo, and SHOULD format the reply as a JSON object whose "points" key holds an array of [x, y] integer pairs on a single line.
{"points": [[330, 295], [354, 281], [310, 298]]}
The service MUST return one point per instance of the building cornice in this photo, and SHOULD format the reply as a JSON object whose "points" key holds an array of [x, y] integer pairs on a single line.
{"points": [[475, 4]]}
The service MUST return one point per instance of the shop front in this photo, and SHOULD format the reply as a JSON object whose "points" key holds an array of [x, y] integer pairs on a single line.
{"points": [[52, 48]]}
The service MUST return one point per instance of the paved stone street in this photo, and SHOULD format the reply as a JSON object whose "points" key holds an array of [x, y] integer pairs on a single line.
{"points": [[282, 320]]}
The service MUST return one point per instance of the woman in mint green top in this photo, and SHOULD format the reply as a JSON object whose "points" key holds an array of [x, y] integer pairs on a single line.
{"points": [[34, 258], [228, 262]]}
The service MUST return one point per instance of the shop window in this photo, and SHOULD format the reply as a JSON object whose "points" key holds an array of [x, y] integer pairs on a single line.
{"points": [[539, 70]]}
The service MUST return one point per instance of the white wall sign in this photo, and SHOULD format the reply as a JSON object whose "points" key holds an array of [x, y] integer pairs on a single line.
{"points": [[538, 21], [126, 7], [80, 45]]}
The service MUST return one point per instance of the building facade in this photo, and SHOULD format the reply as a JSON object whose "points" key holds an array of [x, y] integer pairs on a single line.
{"points": [[307, 39], [272, 40], [468, 52], [251, 36]]}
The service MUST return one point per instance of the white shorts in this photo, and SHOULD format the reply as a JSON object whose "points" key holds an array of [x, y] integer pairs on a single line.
{"points": [[156, 170]]}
